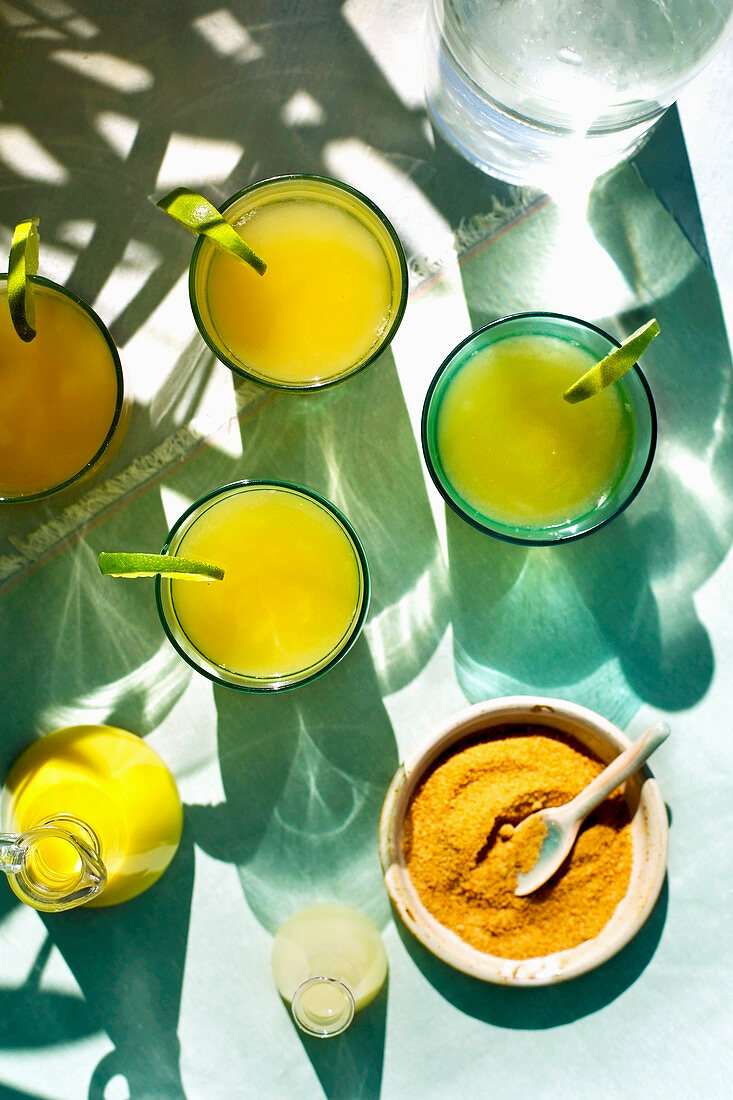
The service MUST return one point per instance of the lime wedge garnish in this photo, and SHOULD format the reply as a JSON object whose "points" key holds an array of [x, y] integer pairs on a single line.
{"points": [[148, 565], [615, 365], [22, 264], [199, 216]]}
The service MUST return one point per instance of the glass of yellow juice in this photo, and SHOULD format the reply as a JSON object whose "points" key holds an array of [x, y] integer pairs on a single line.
{"points": [[295, 591], [331, 298], [516, 460], [62, 409]]}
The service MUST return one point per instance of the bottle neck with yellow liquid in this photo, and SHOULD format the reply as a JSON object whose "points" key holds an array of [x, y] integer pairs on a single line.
{"points": [[54, 865]]}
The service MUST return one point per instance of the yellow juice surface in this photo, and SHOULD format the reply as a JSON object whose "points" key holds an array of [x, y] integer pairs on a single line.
{"points": [[59, 394], [114, 783], [330, 940], [515, 450], [322, 304], [58, 854], [292, 586]]}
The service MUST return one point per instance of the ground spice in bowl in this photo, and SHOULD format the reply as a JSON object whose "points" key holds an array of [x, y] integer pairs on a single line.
{"points": [[463, 849]]}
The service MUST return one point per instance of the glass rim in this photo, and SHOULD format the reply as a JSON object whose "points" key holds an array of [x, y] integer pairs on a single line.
{"points": [[223, 355], [42, 494], [324, 1029], [261, 685], [487, 526]]}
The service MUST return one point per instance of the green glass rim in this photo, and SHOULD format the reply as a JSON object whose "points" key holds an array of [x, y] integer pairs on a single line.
{"points": [[239, 681], [386, 339], [41, 494], [532, 536]]}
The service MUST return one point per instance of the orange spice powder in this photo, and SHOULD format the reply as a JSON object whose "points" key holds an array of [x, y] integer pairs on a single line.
{"points": [[463, 849]]}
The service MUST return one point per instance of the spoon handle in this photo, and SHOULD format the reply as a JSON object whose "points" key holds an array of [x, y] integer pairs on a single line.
{"points": [[619, 769]]}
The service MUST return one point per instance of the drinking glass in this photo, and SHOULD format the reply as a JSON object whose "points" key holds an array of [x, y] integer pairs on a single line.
{"points": [[631, 407], [64, 410], [531, 91], [331, 298], [295, 591]]}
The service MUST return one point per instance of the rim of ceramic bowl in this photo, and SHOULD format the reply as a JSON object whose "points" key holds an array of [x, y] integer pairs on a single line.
{"points": [[119, 416], [650, 839], [579, 527], [310, 180]]}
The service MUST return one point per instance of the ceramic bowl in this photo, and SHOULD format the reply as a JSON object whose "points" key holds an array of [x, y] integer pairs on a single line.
{"points": [[649, 832]]}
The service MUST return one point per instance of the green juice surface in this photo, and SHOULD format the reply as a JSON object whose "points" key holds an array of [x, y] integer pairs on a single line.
{"points": [[514, 450]]}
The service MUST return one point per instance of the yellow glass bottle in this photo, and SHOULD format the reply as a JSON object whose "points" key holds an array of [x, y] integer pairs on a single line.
{"points": [[91, 815]]}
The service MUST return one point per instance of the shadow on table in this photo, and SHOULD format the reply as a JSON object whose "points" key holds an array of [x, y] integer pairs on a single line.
{"points": [[663, 166], [349, 1066], [578, 622], [304, 774], [354, 444], [610, 621], [304, 771], [30, 1017], [306, 768], [128, 962], [548, 1006], [86, 648]]}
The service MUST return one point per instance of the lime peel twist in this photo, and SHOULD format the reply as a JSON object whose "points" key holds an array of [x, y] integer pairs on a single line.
{"points": [[614, 365], [122, 564], [200, 217], [22, 264]]}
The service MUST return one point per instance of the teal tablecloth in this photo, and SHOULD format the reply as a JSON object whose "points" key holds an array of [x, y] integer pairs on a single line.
{"points": [[170, 995]]}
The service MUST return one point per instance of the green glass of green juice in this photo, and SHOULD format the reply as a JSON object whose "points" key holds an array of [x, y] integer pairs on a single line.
{"points": [[516, 460]]}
